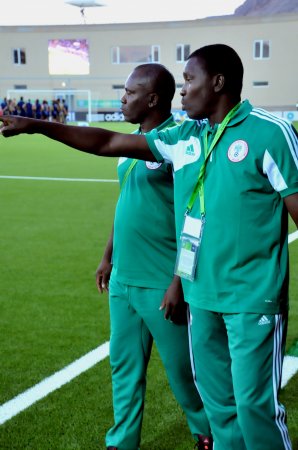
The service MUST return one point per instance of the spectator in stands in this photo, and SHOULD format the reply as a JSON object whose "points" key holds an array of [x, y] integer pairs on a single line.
{"points": [[21, 107], [29, 109], [4, 107], [14, 107], [55, 111], [45, 110], [37, 109], [11, 108], [64, 111]]}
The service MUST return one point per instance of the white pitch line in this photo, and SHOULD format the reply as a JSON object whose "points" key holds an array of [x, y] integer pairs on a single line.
{"points": [[27, 398], [290, 368], [51, 383], [92, 180], [293, 236]]}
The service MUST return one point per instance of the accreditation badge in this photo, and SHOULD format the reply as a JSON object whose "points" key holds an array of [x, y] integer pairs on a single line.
{"points": [[188, 248]]}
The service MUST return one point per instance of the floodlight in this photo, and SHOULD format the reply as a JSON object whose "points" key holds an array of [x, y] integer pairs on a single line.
{"points": [[84, 3]]}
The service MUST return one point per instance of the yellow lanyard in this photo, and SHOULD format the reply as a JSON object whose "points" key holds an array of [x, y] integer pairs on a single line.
{"points": [[127, 173], [199, 187]]}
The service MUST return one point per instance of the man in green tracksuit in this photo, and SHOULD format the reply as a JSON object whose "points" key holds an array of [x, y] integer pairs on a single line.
{"points": [[140, 256], [239, 297], [236, 180]]}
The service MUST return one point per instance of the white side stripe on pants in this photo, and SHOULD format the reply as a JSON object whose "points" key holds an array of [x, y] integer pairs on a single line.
{"points": [[280, 413]]}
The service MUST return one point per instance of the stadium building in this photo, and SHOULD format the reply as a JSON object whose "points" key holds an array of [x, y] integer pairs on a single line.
{"points": [[88, 64]]}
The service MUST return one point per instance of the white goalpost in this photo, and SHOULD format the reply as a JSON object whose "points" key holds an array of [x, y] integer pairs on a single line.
{"points": [[78, 100]]}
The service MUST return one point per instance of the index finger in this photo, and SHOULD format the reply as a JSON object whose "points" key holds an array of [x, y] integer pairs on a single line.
{"points": [[6, 123]]}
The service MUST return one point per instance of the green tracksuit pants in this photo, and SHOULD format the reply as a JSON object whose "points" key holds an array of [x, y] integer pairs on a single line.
{"points": [[238, 360], [135, 322]]}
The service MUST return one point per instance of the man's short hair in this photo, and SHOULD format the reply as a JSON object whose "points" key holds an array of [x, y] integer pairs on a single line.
{"points": [[222, 59], [161, 80]]}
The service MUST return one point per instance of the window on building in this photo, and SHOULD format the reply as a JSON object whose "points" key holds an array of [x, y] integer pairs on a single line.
{"points": [[115, 55], [260, 83], [261, 49], [182, 52], [135, 54], [19, 56], [20, 86]]}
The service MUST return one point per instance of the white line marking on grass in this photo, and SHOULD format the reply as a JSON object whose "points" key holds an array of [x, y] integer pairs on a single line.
{"points": [[293, 236], [51, 383], [290, 368], [93, 180], [18, 404]]}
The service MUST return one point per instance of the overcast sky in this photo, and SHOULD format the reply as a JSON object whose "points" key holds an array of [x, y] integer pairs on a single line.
{"points": [[50, 12]]}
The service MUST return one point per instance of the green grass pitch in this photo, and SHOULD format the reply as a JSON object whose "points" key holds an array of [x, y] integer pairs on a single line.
{"points": [[52, 238]]}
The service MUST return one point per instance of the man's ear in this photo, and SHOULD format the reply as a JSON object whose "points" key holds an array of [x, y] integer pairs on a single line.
{"points": [[153, 99], [219, 82]]}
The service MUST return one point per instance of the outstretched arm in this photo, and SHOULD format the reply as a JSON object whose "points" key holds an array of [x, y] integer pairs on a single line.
{"points": [[96, 141]]}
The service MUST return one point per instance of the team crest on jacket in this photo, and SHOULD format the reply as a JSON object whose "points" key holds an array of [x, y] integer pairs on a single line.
{"points": [[238, 151], [152, 165]]}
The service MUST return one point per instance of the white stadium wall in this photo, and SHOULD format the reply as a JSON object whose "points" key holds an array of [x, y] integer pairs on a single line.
{"points": [[269, 82]]}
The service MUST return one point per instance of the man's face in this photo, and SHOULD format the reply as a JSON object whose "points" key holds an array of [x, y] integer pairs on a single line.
{"points": [[197, 93], [135, 101]]}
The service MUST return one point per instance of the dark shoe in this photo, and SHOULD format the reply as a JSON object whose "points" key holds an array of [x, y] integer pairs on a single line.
{"points": [[112, 448], [204, 443]]}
